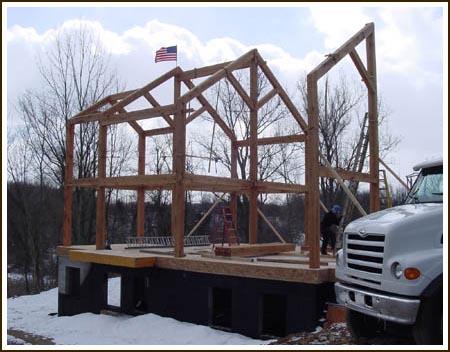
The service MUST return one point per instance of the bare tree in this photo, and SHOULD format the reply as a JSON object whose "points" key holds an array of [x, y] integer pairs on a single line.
{"points": [[341, 112], [273, 120], [76, 73]]}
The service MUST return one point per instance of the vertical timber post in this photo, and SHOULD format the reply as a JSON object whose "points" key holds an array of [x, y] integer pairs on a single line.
{"points": [[141, 191], [234, 175], [312, 175], [100, 223], [253, 196], [67, 225], [179, 165], [373, 124]]}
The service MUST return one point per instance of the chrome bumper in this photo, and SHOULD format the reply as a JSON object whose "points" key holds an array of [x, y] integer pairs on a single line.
{"points": [[398, 309]]}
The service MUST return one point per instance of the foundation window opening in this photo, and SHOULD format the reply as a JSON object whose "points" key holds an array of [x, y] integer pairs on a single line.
{"points": [[221, 308], [273, 315], [73, 281], [114, 289]]}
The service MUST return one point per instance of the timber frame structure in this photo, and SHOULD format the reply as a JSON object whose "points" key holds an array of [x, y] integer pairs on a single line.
{"points": [[111, 110]]}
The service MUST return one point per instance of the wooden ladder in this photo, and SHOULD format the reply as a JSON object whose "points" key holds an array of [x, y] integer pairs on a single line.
{"points": [[385, 194]]}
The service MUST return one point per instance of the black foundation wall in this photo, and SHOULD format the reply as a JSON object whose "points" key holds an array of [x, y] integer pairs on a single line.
{"points": [[252, 307]]}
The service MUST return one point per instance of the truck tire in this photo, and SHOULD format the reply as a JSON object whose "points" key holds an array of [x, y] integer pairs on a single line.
{"points": [[361, 325], [428, 327]]}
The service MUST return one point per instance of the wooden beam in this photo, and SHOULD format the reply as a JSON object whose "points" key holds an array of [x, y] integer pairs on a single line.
{"points": [[345, 174], [140, 216], [271, 226], [361, 69], [281, 92], [266, 98], [68, 177], [136, 94], [92, 108], [134, 124], [254, 249], [216, 184], [137, 115], [203, 218], [158, 131], [179, 169], [234, 175], [155, 104], [279, 187], [342, 51], [394, 174], [253, 196], [248, 269], [209, 70], [121, 95], [374, 158], [202, 100], [343, 185], [100, 222], [200, 88], [312, 198], [124, 116], [241, 91], [115, 258], [127, 182], [196, 114], [273, 140]]}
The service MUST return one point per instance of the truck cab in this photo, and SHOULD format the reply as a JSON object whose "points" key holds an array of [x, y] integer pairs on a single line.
{"points": [[390, 268]]}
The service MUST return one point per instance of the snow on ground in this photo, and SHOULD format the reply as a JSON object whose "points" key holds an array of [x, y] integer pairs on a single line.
{"points": [[31, 314]]}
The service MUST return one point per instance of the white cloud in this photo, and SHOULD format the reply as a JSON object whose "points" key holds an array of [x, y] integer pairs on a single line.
{"points": [[406, 49], [338, 22], [402, 46]]}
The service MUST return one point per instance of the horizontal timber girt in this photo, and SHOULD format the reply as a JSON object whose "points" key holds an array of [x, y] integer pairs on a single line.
{"points": [[347, 175]]}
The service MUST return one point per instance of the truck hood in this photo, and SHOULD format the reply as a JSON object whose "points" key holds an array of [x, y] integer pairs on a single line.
{"points": [[384, 220]]}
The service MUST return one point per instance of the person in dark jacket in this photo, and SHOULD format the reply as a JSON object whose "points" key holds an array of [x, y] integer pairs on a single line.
{"points": [[327, 228]]}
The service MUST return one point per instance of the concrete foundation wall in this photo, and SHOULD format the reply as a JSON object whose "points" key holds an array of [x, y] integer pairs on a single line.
{"points": [[252, 307]]}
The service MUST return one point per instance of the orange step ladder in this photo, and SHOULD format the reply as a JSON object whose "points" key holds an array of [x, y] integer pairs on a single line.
{"points": [[225, 225]]}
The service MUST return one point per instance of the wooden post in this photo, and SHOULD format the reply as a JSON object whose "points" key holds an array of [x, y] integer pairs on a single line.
{"points": [[312, 212], [234, 175], [141, 191], [373, 124], [253, 196], [100, 214], [67, 225], [179, 165]]}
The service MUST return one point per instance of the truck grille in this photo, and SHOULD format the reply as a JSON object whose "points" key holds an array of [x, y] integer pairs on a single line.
{"points": [[365, 255]]}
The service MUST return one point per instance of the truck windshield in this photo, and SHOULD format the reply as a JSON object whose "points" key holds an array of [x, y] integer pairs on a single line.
{"points": [[428, 187]]}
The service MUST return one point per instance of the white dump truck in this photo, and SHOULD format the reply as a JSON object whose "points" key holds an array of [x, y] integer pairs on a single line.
{"points": [[390, 268]]}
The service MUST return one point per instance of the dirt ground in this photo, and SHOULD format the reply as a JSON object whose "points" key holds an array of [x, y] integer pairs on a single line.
{"points": [[338, 334]]}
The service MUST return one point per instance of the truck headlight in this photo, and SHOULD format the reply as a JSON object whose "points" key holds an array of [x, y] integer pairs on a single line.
{"points": [[397, 270]]}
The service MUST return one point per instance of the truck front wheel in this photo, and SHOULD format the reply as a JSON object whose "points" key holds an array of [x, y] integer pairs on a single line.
{"points": [[361, 325], [428, 327]]}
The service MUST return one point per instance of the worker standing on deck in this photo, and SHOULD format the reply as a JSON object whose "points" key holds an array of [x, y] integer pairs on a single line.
{"points": [[328, 227]]}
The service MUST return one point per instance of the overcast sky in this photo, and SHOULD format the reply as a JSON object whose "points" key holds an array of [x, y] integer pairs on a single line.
{"points": [[409, 44]]}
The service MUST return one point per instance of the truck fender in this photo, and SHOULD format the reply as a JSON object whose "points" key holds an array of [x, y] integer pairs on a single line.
{"points": [[433, 286]]}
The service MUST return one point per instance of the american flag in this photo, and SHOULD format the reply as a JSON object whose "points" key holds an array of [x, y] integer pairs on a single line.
{"points": [[166, 54]]}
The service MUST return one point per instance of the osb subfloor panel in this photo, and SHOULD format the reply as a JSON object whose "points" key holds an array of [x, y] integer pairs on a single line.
{"points": [[289, 266]]}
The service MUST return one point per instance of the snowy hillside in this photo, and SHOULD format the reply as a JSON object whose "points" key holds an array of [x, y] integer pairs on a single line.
{"points": [[31, 314]]}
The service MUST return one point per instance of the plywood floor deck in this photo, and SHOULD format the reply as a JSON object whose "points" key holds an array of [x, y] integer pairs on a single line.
{"points": [[287, 266]]}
